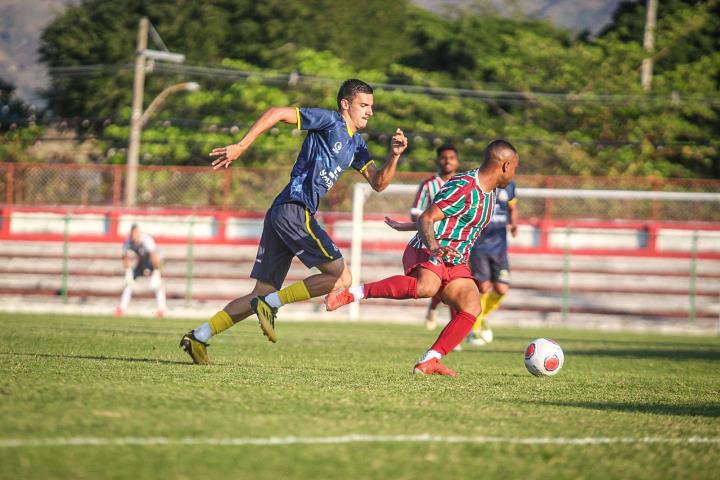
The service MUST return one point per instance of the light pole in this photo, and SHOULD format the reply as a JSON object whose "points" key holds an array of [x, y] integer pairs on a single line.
{"points": [[136, 126], [648, 45], [138, 119]]}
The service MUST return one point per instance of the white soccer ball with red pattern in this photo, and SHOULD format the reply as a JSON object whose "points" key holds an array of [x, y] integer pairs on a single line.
{"points": [[544, 357]]}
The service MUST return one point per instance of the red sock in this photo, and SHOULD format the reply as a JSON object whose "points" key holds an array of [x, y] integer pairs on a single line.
{"points": [[436, 300], [398, 287], [454, 332]]}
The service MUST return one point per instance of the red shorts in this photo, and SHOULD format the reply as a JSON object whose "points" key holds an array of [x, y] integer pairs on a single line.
{"points": [[420, 257]]}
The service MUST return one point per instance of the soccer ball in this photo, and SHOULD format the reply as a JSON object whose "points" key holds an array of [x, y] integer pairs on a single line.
{"points": [[544, 357]]}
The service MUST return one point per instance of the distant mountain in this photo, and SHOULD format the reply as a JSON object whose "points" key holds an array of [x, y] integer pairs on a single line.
{"points": [[577, 15], [22, 22]]}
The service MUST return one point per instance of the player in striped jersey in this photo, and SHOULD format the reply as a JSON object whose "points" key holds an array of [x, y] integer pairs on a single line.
{"points": [[435, 260], [447, 162]]}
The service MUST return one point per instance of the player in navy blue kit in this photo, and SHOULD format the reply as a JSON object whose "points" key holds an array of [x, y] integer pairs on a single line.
{"points": [[489, 261], [331, 146]]}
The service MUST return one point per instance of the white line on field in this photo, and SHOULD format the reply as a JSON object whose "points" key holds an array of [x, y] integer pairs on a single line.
{"points": [[291, 440]]}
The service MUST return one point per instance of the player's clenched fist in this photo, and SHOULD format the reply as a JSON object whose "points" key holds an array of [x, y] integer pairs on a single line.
{"points": [[399, 142]]}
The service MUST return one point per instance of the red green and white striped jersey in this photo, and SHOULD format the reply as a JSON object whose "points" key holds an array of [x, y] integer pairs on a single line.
{"points": [[426, 193], [467, 211]]}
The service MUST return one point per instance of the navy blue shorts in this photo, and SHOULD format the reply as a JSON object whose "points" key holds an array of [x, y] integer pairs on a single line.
{"points": [[490, 267], [144, 267], [291, 231]]}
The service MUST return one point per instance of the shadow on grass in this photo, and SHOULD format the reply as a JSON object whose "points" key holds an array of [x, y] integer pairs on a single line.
{"points": [[669, 354], [606, 341], [701, 410], [97, 357], [638, 354]]}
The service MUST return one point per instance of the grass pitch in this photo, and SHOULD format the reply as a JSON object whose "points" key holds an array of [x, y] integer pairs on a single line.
{"points": [[124, 384]]}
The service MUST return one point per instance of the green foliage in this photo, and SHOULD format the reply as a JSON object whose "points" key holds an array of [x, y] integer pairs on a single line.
{"points": [[18, 129], [594, 120]]}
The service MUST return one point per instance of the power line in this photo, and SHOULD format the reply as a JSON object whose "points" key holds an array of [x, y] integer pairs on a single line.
{"points": [[200, 127], [487, 95], [497, 96]]}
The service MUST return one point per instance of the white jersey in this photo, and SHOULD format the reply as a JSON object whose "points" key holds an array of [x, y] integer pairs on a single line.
{"points": [[143, 249]]}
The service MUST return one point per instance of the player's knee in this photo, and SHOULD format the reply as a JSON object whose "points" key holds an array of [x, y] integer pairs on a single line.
{"points": [[485, 286], [472, 306], [426, 289], [501, 288], [470, 302]]}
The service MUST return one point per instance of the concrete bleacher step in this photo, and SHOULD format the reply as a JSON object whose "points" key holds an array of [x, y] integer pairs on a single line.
{"points": [[675, 306], [613, 287]]}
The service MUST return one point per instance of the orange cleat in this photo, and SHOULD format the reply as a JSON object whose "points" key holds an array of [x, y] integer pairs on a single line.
{"points": [[338, 298], [160, 314], [119, 312], [433, 367]]}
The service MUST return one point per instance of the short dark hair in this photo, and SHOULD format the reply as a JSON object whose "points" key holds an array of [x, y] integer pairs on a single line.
{"points": [[496, 148], [447, 146], [350, 88]]}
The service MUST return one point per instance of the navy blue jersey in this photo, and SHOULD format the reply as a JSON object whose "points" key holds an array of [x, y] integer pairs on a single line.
{"points": [[328, 150], [493, 239]]}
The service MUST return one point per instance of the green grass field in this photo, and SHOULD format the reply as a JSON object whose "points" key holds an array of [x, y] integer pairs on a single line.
{"points": [[105, 380]]}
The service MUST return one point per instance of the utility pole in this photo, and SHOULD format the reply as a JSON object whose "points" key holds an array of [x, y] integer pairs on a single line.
{"points": [[648, 44], [137, 117], [137, 110]]}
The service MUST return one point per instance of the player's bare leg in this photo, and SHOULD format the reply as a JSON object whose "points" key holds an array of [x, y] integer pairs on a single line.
{"points": [[463, 297], [156, 284]]}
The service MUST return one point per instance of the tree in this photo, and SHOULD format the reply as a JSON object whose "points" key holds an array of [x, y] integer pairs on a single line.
{"points": [[590, 116], [17, 125]]}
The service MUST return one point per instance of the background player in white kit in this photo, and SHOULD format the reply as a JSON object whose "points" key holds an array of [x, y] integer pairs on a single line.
{"points": [[148, 258]]}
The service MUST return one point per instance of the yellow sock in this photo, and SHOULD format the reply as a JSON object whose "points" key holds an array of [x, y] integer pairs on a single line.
{"points": [[294, 293], [480, 320], [219, 322], [493, 302]]}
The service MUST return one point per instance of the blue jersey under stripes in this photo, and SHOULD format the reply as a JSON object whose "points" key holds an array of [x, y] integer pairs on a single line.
{"points": [[493, 239]]}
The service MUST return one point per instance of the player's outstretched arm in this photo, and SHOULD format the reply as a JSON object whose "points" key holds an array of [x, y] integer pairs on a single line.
{"points": [[379, 179], [401, 226], [426, 228], [224, 156]]}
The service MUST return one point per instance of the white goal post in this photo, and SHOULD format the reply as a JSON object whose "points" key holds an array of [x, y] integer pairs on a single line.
{"points": [[363, 191]]}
